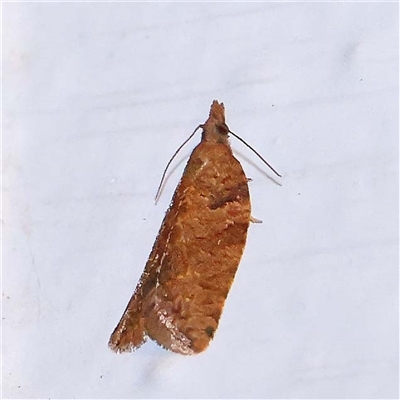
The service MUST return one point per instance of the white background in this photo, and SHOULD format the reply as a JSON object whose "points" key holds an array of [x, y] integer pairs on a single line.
{"points": [[97, 97]]}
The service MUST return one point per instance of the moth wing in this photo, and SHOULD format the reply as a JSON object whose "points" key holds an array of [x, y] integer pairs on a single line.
{"points": [[179, 298], [197, 251]]}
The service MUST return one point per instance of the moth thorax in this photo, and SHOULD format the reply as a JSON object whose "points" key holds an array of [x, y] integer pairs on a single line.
{"points": [[215, 133]]}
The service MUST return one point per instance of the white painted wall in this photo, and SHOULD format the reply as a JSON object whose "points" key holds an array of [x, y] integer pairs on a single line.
{"points": [[97, 97]]}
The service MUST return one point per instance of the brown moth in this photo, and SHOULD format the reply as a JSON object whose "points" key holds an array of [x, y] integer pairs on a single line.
{"points": [[179, 299]]}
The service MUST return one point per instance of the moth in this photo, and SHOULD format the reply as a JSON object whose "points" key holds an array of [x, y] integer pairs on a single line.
{"points": [[180, 296]]}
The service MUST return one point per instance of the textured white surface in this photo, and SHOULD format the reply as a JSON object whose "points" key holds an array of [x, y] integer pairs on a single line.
{"points": [[97, 97]]}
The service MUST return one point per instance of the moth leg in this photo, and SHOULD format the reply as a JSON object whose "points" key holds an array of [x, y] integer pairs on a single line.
{"points": [[255, 220]]}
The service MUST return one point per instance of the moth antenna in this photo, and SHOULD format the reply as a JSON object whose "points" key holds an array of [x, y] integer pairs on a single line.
{"points": [[256, 152], [170, 161]]}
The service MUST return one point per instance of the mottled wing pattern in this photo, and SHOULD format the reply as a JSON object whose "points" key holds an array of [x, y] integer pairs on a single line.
{"points": [[180, 296]]}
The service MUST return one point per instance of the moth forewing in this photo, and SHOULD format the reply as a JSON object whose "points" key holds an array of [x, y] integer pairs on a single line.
{"points": [[179, 298]]}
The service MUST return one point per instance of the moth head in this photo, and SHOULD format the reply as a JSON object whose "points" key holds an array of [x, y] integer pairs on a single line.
{"points": [[215, 129], [217, 111]]}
